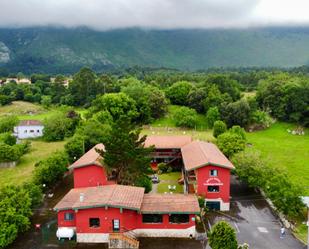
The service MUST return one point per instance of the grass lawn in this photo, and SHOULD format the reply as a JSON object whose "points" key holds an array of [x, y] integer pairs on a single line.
{"points": [[169, 179], [284, 150], [26, 110], [23, 171]]}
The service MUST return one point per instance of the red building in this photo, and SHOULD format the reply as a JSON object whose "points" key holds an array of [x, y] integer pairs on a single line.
{"points": [[206, 171], [99, 211]]}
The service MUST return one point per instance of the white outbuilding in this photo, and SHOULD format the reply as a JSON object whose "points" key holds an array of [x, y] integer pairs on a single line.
{"points": [[29, 129]]}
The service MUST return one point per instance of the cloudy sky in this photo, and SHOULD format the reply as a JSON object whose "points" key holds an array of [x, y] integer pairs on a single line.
{"points": [[106, 14]]}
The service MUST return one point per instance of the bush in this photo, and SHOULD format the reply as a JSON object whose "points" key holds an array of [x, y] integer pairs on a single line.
{"points": [[7, 123], [222, 236], [236, 129], [219, 128], [8, 138], [212, 116], [75, 148], [145, 182], [162, 167], [9, 153], [185, 117], [35, 193], [169, 169], [261, 119], [230, 143], [15, 210], [51, 170], [59, 126]]}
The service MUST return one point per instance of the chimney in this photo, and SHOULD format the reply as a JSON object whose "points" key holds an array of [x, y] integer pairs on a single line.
{"points": [[81, 197]]}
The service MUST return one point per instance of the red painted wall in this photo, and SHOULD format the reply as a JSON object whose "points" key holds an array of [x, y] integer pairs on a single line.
{"points": [[89, 176], [204, 178], [129, 220], [66, 223]]}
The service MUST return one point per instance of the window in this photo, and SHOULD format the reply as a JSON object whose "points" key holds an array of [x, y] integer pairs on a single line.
{"points": [[179, 218], [213, 172], [213, 188], [94, 222], [25, 131], [31, 131], [68, 216], [152, 218], [38, 131]]}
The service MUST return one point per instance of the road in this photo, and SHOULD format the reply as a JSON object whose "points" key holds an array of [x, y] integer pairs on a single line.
{"points": [[254, 221]]}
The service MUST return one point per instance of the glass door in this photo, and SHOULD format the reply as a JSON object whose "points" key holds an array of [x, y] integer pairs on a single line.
{"points": [[116, 225]]}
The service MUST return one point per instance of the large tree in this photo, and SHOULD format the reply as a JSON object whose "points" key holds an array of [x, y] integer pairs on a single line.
{"points": [[125, 155]]}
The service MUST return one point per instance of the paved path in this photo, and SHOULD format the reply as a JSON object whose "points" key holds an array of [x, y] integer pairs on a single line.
{"points": [[254, 221], [154, 189]]}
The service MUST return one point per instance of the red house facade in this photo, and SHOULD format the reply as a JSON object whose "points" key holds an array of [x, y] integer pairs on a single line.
{"points": [[98, 210], [205, 169]]}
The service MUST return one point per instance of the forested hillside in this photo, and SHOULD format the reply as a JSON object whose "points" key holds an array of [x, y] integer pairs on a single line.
{"points": [[58, 50]]}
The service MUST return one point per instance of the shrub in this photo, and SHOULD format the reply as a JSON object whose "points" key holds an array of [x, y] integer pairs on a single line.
{"points": [[51, 170], [222, 236], [15, 210], [230, 143], [9, 153], [145, 182], [35, 193], [75, 148], [185, 117], [261, 119], [59, 126], [7, 138], [7, 123], [162, 167], [212, 116], [236, 129], [219, 128], [169, 169]]}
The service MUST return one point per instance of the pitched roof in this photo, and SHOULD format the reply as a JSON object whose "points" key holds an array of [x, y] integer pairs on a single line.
{"points": [[92, 157], [170, 203], [29, 122], [167, 142], [118, 196], [199, 153]]}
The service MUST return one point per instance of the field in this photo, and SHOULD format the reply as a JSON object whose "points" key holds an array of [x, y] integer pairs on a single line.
{"points": [[25, 110], [284, 150], [23, 171]]}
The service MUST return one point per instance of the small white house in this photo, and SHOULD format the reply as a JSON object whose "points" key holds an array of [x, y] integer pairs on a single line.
{"points": [[29, 129]]}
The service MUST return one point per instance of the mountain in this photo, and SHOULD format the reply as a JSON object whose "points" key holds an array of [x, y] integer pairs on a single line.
{"points": [[61, 50]]}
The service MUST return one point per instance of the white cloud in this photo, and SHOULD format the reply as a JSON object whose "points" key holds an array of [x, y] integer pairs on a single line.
{"points": [[105, 14]]}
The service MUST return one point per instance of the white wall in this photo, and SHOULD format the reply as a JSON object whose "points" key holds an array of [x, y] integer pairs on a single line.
{"points": [[28, 131]]}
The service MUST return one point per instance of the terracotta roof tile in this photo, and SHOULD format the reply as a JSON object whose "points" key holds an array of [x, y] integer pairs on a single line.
{"points": [[128, 197], [170, 203], [167, 142], [29, 122], [199, 153], [91, 157]]}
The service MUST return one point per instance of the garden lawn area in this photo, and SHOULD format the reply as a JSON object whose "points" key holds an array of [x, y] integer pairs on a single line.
{"points": [[169, 179], [284, 150], [23, 171], [26, 110], [168, 120]]}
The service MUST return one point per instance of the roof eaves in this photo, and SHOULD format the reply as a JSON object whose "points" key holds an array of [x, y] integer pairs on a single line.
{"points": [[85, 164], [210, 164]]}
